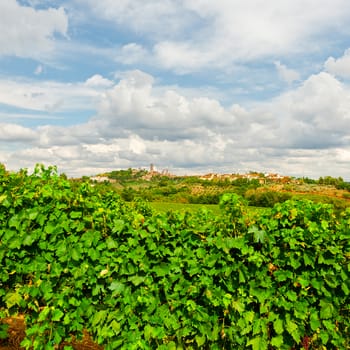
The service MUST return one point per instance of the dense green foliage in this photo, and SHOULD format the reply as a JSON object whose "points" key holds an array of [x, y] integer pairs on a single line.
{"points": [[338, 182], [133, 183], [73, 257], [266, 198], [126, 176]]}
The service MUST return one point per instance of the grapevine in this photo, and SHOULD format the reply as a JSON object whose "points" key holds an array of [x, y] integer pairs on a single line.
{"points": [[74, 258]]}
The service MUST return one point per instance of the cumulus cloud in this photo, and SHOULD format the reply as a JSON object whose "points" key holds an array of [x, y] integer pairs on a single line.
{"points": [[26, 32], [339, 67], [98, 80], [51, 96], [134, 104], [185, 57], [223, 33], [287, 74], [16, 133], [314, 115], [139, 122], [132, 53], [136, 119], [157, 18]]}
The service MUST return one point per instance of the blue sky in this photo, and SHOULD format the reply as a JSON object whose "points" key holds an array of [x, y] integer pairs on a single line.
{"points": [[192, 86]]}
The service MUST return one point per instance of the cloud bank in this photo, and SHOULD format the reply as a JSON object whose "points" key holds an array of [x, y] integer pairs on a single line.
{"points": [[26, 32], [139, 122], [192, 86]]}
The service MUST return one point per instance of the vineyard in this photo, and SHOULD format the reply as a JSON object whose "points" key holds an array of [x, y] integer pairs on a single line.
{"points": [[75, 259]]}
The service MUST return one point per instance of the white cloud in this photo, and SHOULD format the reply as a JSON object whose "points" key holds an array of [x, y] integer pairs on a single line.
{"points": [[157, 18], [137, 145], [26, 32], [98, 81], [138, 122], [16, 133], [287, 74], [339, 67], [51, 96], [342, 155], [138, 118], [39, 69], [184, 57], [134, 103], [313, 116], [135, 78], [132, 53], [192, 35]]}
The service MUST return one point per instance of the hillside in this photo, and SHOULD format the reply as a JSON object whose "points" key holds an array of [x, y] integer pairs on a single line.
{"points": [[257, 188]]}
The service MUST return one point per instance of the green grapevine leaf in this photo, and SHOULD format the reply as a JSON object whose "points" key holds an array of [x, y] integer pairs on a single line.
{"points": [[56, 315], [278, 326], [326, 311], [258, 343]]}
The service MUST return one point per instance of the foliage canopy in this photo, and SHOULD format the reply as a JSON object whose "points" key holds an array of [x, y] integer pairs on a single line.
{"points": [[73, 257]]}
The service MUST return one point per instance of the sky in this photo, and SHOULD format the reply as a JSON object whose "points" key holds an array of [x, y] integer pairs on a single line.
{"points": [[191, 86]]}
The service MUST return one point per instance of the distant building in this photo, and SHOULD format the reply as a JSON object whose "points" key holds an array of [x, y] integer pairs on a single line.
{"points": [[101, 179]]}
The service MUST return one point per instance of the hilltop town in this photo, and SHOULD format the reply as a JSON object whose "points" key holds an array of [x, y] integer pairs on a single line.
{"points": [[148, 175], [259, 189]]}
